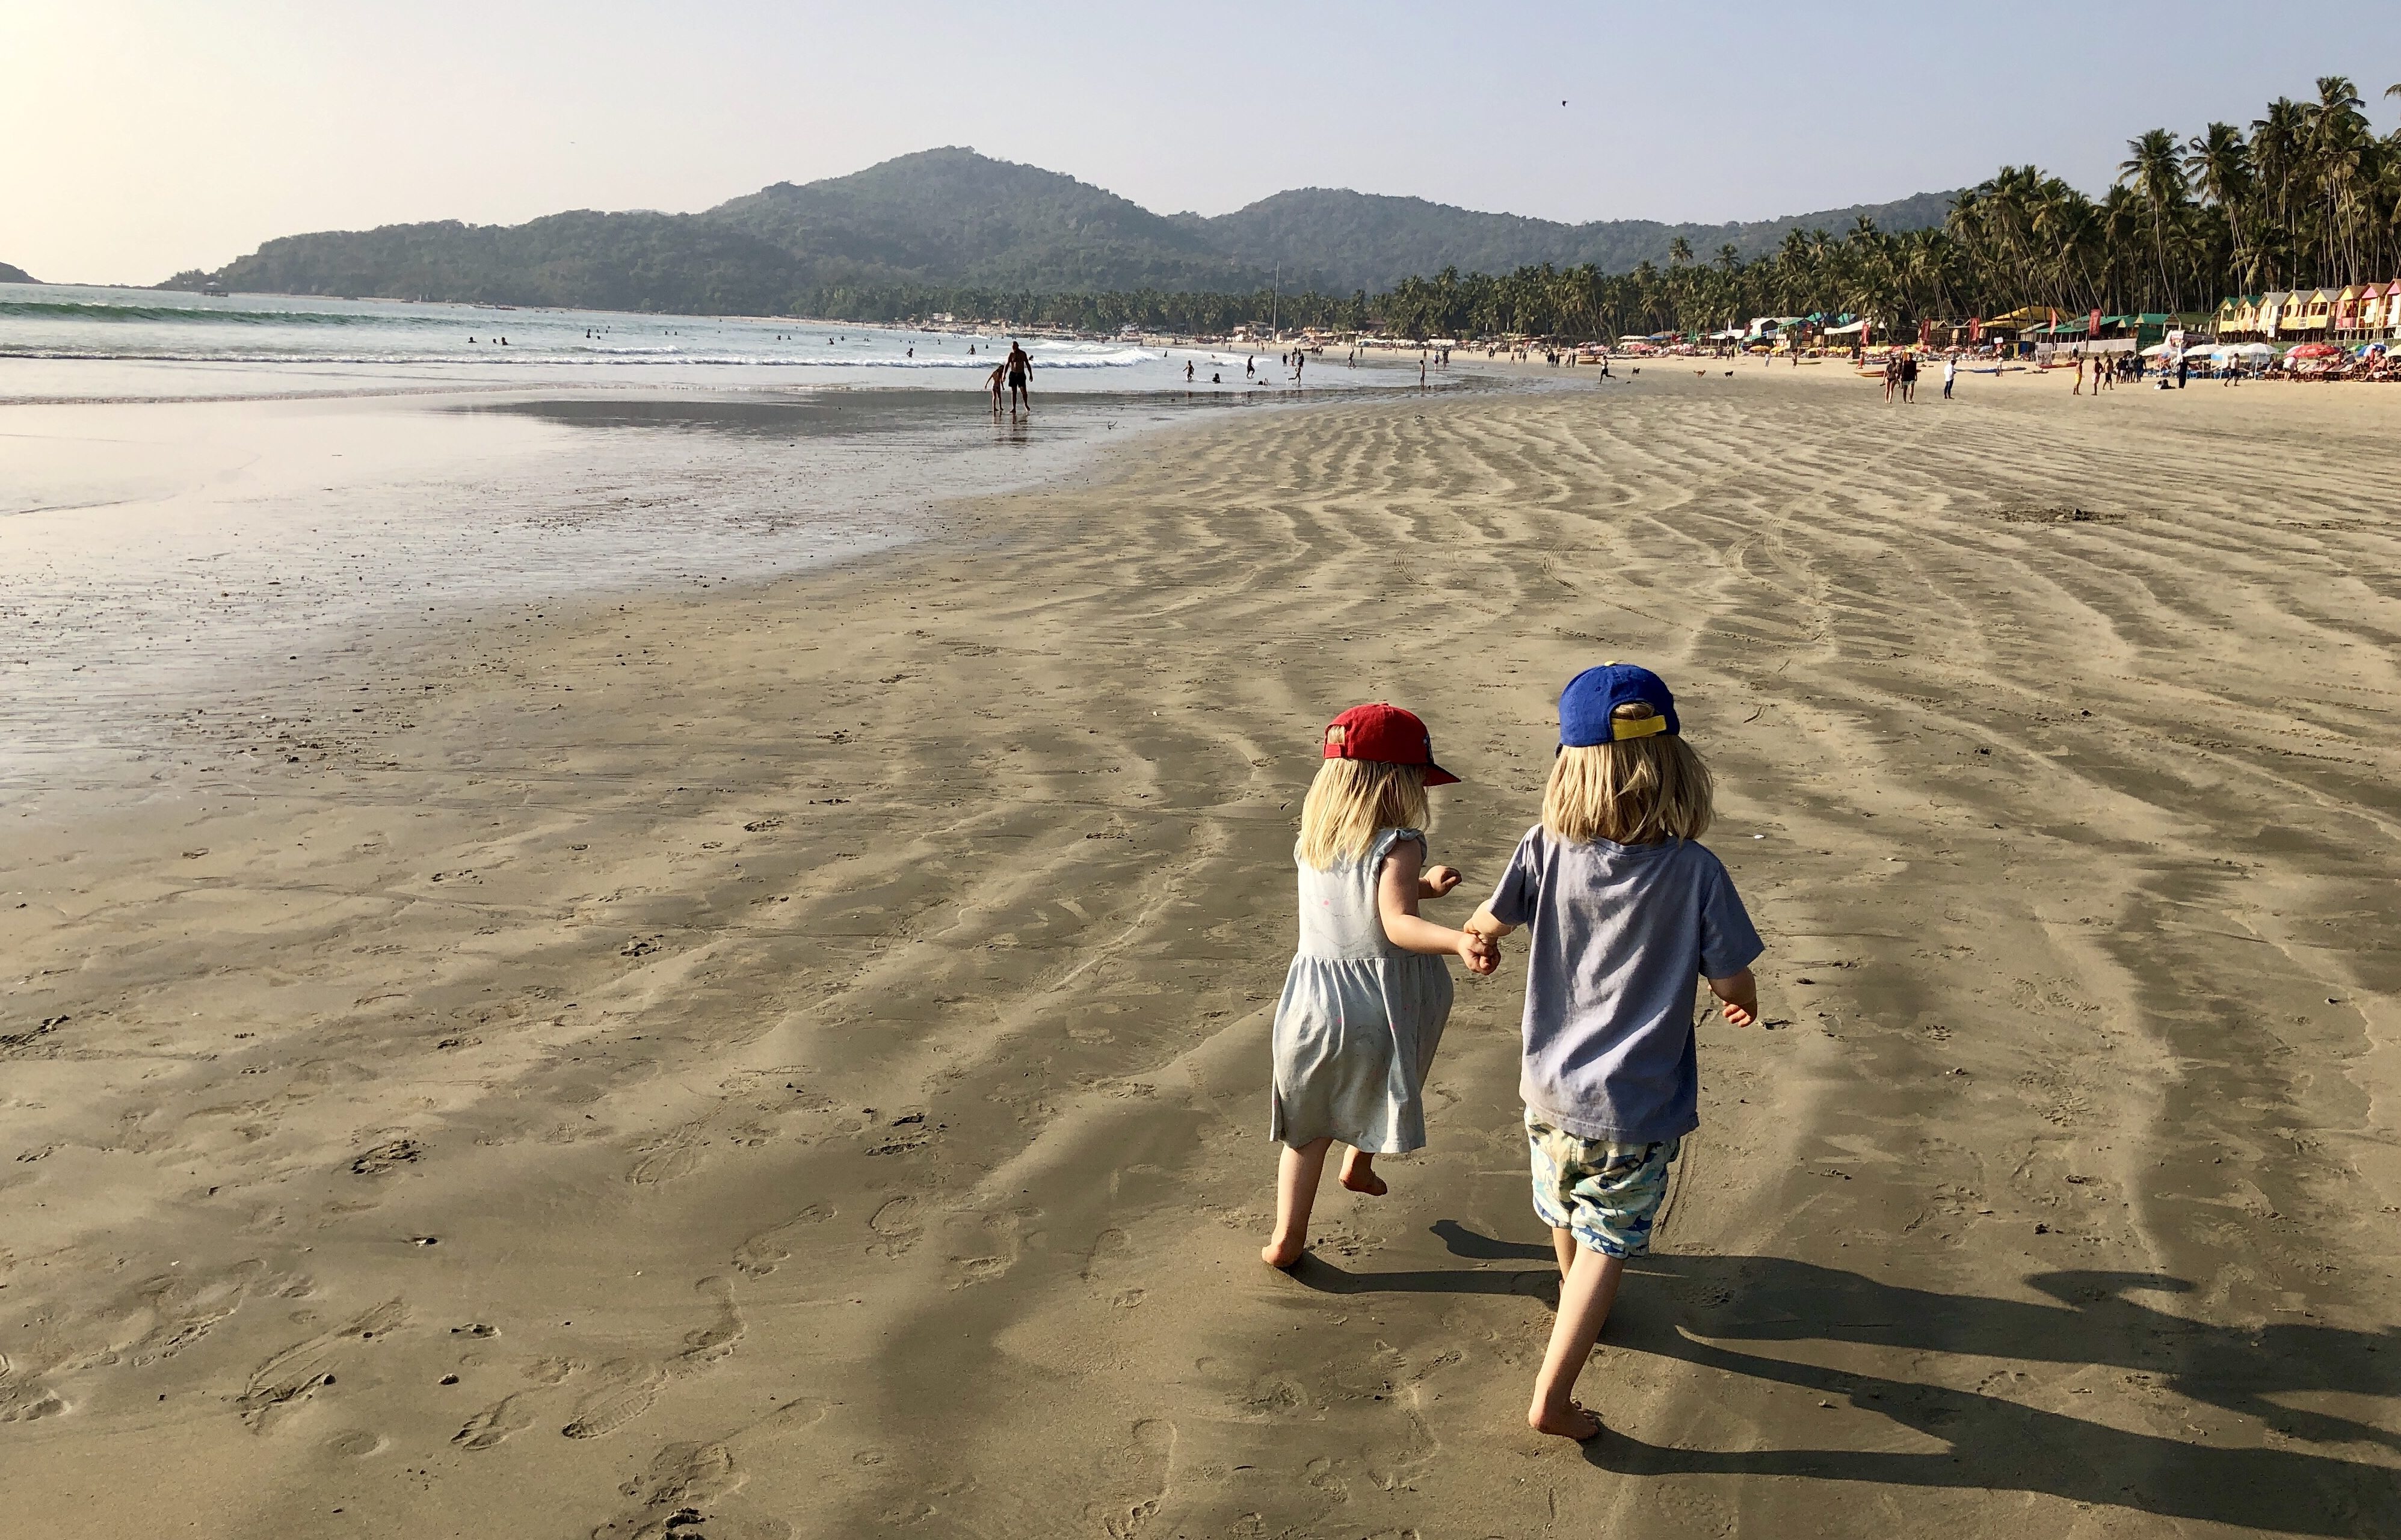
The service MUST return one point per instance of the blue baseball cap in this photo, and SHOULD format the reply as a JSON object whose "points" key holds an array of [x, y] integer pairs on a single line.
{"points": [[1588, 705]]}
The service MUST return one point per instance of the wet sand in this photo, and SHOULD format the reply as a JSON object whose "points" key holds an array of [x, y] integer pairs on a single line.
{"points": [[790, 1059]]}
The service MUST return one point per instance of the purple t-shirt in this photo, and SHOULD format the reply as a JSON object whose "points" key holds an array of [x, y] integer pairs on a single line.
{"points": [[1619, 935]]}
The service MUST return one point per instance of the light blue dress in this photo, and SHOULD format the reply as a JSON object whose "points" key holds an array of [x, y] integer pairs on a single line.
{"points": [[1360, 1018]]}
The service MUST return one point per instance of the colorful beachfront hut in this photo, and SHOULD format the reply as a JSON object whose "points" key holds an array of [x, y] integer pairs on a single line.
{"points": [[2239, 316], [2344, 318], [2317, 316], [2272, 305], [2371, 308]]}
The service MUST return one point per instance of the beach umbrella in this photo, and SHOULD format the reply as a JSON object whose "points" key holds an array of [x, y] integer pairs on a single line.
{"points": [[2316, 350]]}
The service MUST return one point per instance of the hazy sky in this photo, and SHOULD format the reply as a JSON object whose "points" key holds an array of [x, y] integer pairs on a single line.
{"points": [[142, 138]]}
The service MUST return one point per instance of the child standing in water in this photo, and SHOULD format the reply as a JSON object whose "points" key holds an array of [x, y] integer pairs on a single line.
{"points": [[1364, 1002], [1627, 911]]}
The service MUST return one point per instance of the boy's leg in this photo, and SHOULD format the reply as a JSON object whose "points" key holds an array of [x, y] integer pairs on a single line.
{"points": [[1584, 1298], [1563, 1242], [1359, 1174], [1297, 1174]]}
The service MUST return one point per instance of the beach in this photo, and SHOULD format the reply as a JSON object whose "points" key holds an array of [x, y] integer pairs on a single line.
{"points": [[784, 1053]]}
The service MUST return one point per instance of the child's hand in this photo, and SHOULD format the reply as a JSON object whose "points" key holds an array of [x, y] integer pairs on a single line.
{"points": [[1439, 880], [1740, 993], [1481, 953]]}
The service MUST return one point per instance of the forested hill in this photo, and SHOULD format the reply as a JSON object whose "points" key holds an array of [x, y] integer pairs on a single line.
{"points": [[16, 275], [1338, 240], [954, 218]]}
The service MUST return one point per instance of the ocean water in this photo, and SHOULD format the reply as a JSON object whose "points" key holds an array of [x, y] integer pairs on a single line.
{"points": [[60, 342], [244, 504]]}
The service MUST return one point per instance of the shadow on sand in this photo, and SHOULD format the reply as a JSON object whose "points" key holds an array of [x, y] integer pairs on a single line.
{"points": [[1702, 1309]]}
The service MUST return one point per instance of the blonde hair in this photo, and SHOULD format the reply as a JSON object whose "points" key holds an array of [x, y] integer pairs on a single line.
{"points": [[1634, 791], [1352, 802]]}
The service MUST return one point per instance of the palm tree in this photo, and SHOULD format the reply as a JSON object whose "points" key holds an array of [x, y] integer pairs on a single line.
{"points": [[2155, 172], [2218, 163]]}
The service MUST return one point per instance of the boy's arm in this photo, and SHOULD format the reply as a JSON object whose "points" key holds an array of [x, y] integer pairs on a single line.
{"points": [[1740, 994], [1481, 923]]}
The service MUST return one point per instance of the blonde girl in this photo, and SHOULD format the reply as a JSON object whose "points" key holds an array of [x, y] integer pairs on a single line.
{"points": [[1627, 910], [1364, 1002]]}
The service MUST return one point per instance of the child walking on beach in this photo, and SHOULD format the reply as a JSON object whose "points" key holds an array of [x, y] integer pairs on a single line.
{"points": [[1627, 910], [1367, 995]]}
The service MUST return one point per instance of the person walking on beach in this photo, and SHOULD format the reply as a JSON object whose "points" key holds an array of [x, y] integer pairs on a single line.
{"points": [[1950, 374], [1626, 909], [1367, 995], [1891, 375], [2078, 389], [1187, 371], [998, 372], [1019, 364], [1909, 378]]}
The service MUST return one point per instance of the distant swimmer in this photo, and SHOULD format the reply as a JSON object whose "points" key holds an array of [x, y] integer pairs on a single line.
{"points": [[1215, 380], [1188, 367], [913, 352], [1018, 364], [1250, 369]]}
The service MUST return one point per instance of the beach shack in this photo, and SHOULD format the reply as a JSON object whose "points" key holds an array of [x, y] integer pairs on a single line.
{"points": [[2272, 305]]}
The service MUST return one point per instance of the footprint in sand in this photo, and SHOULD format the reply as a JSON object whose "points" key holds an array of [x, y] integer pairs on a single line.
{"points": [[627, 1389], [897, 1226], [502, 1419], [683, 1483], [22, 1400], [300, 1370], [1138, 1465], [711, 1343], [663, 1159], [625, 1392], [759, 1255]]}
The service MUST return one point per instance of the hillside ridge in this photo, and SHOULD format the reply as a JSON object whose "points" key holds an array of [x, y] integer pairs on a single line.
{"points": [[951, 218]]}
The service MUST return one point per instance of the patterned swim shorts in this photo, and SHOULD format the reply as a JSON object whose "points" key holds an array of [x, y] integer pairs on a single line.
{"points": [[1606, 1193]]}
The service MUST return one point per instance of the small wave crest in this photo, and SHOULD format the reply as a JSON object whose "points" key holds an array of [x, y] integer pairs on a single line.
{"points": [[56, 309], [523, 356]]}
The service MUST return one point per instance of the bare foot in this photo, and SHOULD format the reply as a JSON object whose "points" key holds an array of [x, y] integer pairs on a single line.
{"points": [[1569, 1421], [1282, 1253], [1360, 1177]]}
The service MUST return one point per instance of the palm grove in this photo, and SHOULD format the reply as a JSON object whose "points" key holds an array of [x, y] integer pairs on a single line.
{"points": [[2310, 195]]}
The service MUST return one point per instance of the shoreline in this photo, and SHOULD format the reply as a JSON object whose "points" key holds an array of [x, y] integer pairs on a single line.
{"points": [[719, 1025]]}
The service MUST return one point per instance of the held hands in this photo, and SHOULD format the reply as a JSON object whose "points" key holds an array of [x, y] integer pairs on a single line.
{"points": [[1481, 953]]}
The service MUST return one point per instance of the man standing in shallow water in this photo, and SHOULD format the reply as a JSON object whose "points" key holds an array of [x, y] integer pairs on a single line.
{"points": [[1019, 363]]}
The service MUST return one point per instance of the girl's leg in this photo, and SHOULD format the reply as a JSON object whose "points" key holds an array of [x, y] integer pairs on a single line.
{"points": [[1358, 1174], [1584, 1298], [1296, 1175]]}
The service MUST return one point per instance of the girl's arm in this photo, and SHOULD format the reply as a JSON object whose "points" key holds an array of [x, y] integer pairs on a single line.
{"points": [[1437, 881], [1397, 890]]}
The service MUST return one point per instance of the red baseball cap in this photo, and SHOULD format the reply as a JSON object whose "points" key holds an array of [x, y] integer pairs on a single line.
{"points": [[1387, 734]]}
